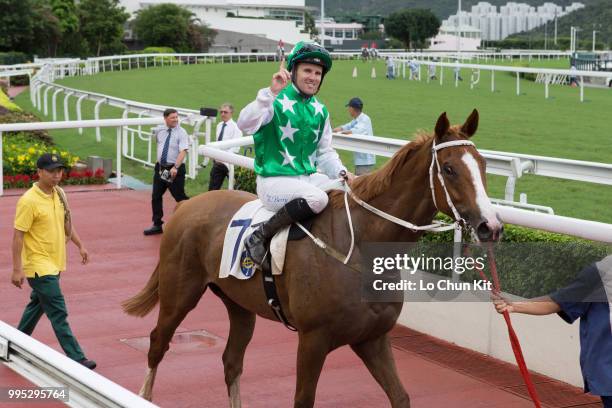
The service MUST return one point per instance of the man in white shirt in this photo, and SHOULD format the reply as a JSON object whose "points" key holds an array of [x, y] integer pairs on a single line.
{"points": [[172, 144], [360, 125], [390, 68], [226, 129]]}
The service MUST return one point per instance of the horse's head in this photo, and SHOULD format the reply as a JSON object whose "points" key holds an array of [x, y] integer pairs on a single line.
{"points": [[459, 178]]}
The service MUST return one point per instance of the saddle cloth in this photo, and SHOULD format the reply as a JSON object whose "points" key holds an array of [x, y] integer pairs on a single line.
{"points": [[234, 261]]}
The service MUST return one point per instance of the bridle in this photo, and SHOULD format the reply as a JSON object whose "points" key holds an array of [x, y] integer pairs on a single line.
{"points": [[435, 226]]}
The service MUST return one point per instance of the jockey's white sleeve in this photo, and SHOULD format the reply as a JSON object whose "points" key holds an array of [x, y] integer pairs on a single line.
{"points": [[327, 158], [257, 113]]}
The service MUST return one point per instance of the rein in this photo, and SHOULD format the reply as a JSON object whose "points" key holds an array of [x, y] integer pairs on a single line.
{"points": [[435, 226], [514, 341]]}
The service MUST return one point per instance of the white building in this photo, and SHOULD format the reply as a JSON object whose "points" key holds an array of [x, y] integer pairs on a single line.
{"points": [[464, 37], [510, 19], [258, 23], [336, 33]]}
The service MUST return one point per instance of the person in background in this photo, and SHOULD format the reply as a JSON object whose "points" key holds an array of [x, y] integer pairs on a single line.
{"points": [[43, 226], [360, 125], [390, 68], [226, 129], [172, 144]]}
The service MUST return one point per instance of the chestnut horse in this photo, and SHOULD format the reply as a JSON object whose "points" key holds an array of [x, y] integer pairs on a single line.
{"points": [[320, 296]]}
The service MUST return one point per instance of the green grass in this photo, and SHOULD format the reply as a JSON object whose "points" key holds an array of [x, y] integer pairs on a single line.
{"points": [[558, 127]]}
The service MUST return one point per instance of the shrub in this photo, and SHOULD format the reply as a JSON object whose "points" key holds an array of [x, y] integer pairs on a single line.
{"points": [[531, 262], [245, 180], [12, 58], [20, 80], [32, 136]]}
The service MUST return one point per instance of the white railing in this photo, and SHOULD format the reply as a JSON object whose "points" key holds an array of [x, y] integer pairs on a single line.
{"points": [[43, 89], [547, 76], [511, 165], [120, 124], [47, 367], [592, 230]]}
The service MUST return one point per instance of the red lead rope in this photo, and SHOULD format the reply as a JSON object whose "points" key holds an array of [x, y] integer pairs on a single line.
{"points": [[514, 341]]}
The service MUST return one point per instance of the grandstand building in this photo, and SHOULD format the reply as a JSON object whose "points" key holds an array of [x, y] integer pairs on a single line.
{"points": [[244, 25]]}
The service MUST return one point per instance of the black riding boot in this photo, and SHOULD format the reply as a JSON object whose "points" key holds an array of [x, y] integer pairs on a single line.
{"points": [[294, 211]]}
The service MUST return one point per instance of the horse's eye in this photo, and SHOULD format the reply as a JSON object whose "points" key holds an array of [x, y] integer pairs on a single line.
{"points": [[448, 170]]}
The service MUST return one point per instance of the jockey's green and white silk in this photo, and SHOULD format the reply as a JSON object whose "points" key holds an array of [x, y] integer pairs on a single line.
{"points": [[292, 140]]}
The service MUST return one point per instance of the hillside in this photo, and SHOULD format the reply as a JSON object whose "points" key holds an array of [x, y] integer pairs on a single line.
{"points": [[594, 17], [442, 8]]}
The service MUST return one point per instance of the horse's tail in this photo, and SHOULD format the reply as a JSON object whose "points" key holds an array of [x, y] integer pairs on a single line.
{"points": [[142, 303]]}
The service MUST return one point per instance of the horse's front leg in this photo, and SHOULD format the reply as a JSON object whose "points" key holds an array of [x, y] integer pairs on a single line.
{"points": [[312, 350], [378, 357]]}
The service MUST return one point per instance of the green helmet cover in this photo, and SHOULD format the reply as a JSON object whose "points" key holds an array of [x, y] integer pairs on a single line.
{"points": [[311, 53]]}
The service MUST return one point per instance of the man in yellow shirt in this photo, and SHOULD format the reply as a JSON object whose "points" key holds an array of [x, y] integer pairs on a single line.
{"points": [[42, 228]]}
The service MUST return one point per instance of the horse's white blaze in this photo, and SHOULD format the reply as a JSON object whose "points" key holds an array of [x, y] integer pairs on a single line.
{"points": [[482, 199]]}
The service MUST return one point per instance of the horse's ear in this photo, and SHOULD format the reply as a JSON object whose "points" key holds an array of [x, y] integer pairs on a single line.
{"points": [[442, 126], [471, 124]]}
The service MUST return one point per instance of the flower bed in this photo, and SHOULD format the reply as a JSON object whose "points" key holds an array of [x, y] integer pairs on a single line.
{"points": [[20, 154], [72, 177]]}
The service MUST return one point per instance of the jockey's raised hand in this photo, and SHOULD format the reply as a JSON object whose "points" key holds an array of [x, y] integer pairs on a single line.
{"points": [[280, 80]]}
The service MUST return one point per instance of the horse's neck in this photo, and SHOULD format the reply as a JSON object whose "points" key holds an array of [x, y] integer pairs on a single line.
{"points": [[409, 199]]}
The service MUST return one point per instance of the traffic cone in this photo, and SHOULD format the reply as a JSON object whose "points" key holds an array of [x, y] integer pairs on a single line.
{"points": [[355, 72], [373, 72]]}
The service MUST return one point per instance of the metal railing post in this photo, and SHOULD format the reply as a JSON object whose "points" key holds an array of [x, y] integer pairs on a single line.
{"points": [[79, 113], [54, 103], [118, 165], [97, 117]]}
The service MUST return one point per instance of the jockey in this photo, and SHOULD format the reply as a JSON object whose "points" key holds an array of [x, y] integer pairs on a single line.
{"points": [[292, 134]]}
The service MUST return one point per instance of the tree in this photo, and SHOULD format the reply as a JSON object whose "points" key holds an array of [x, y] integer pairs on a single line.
{"points": [[412, 26], [101, 24], [46, 29], [16, 23], [72, 43], [309, 25], [169, 25]]}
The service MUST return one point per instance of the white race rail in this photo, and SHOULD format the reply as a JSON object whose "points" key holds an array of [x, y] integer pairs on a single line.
{"points": [[119, 124], [596, 231], [47, 367]]}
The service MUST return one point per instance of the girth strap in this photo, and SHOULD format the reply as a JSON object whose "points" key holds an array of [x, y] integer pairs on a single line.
{"points": [[271, 294]]}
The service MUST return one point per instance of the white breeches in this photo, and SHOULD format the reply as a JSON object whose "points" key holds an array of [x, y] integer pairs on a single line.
{"points": [[275, 192]]}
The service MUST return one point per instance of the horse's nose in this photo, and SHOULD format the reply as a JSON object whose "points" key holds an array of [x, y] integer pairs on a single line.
{"points": [[489, 231]]}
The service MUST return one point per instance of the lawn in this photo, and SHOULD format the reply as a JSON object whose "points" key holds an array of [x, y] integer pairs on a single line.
{"points": [[559, 127]]}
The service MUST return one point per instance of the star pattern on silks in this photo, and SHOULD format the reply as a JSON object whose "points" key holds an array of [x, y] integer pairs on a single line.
{"points": [[288, 159], [287, 104], [317, 133], [317, 106], [313, 159], [288, 131]]}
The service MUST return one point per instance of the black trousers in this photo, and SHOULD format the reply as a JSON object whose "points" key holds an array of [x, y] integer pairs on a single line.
{"points": [[218, 173], [177, 189]]}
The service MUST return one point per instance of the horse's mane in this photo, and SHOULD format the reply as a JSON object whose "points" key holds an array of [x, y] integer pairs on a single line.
{"points": [[371, 185]]}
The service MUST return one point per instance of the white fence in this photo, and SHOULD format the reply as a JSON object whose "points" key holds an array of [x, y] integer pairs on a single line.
{"points": [[46, 367], [44, 94], [547, 76], [121, 125]]}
